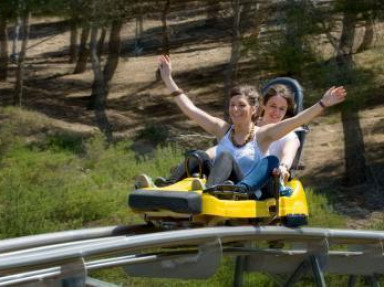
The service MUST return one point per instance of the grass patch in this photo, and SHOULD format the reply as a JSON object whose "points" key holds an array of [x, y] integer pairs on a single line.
{"points": [[321, 211], [57, 180]]}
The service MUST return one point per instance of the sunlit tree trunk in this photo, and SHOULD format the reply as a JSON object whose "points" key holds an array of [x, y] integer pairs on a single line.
{"points": [[99, 88], [84, 51], [4, 58], [18, 95]]}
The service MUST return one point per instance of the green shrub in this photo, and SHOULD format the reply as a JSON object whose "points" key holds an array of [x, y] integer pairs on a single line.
{"points": [[65, 141], [52, 188], [154, 133]]}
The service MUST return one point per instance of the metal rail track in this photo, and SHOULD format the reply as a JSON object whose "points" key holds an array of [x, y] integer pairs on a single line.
{"points": [[50, 259]]}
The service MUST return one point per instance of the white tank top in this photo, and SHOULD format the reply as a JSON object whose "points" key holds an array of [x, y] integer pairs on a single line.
{"points": [[276, 147], [246, 156]]}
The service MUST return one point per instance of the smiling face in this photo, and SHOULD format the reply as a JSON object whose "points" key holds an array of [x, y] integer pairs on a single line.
{"points": [[244, 104], [275, 109], [240, 111]]}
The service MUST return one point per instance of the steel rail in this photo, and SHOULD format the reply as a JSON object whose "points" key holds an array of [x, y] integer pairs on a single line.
{"points": [[190, 237], [41, 252], [24, 242], [26, 277]]}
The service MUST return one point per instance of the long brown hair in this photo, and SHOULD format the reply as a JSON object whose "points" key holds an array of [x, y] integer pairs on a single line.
{"points": [[284, 92], [251, 94]]}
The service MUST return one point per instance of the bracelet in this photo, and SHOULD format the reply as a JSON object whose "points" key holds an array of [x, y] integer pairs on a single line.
{"points": [[321, 104], [177, 93]]}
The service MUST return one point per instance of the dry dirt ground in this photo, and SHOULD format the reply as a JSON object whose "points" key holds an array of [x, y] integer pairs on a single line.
{"points": [[137, 99]]}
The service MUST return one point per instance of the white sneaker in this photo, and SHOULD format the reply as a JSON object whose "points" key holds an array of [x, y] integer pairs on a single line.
{"points": [[143, 181]]}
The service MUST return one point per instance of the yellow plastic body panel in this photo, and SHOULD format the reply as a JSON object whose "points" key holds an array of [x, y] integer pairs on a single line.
{"points": [[296, 203], [183, 186], [233, 208], [226, 208]]}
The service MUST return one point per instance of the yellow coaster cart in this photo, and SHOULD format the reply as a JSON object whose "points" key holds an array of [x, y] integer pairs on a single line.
{"points": [[186, 203]]}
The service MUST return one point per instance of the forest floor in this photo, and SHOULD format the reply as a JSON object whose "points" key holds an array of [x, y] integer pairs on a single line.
{"points": [[137, 101]]}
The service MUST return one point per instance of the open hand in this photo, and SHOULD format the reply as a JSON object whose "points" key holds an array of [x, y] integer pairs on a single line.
{"points": [[165, 67], [334, 96]]}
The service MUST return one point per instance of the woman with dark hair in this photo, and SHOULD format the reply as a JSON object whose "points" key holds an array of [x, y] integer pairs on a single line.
{"points": [[279, 104], [243, 147]]}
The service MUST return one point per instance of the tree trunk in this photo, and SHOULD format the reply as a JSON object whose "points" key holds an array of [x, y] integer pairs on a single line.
{"points": [[15, 40], [138, 32], [368, 36], [17, 98], [344, 53], [100, 43], [165, 27], [73, 41], [114, 48], [355, 165], [84, 52], [113, 51], [100, 91], [4, 59], [213, 13], [354, 149], [231, 78]]}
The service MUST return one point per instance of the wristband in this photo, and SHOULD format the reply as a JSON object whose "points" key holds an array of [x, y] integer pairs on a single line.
{"points": [[177, 93], [321, 104]]}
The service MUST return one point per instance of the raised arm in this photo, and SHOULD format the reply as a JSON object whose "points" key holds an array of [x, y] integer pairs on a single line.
{"points": [[272, 132], [212, 125]]}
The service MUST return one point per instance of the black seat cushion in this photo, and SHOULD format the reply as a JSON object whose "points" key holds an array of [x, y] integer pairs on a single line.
{"points": [[153, 200]]}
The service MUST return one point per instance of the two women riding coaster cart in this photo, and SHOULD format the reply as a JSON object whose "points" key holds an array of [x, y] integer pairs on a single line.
{"points": [[242, 156]]}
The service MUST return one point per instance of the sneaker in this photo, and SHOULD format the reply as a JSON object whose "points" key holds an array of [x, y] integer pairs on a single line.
{"points": [[285, 191], [197, 184], [143, 181], [258, 194], [242, 188], [228, 182], [161, 181]]}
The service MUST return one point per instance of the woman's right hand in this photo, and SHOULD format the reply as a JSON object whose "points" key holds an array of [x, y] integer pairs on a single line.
{"points": [[165, 69], [165, 66]]}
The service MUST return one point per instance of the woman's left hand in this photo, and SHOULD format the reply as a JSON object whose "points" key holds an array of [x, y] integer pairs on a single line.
{"points": [[334, 96], [282, 172]]}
